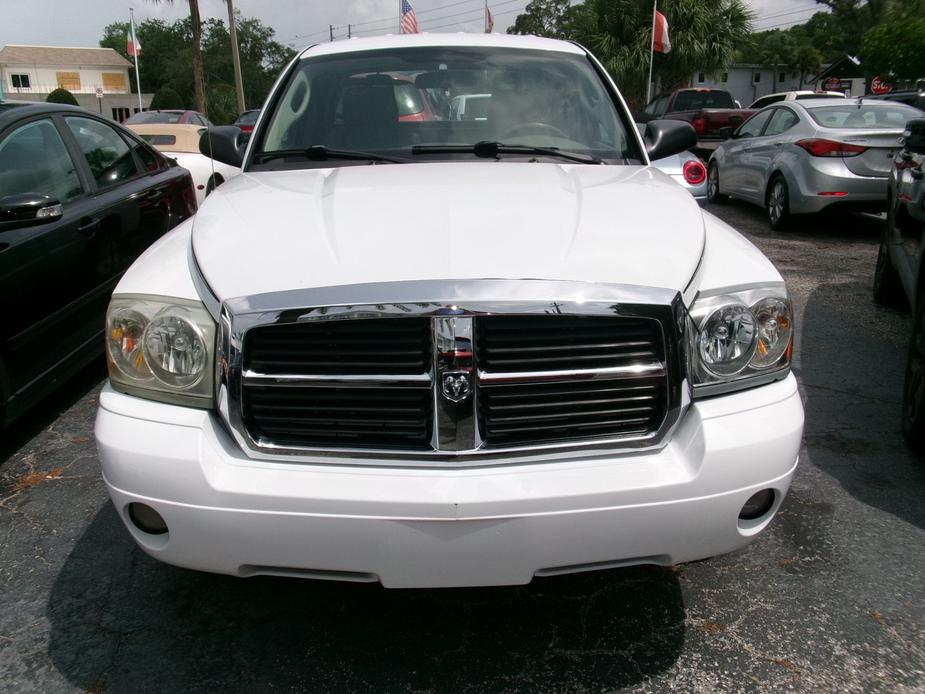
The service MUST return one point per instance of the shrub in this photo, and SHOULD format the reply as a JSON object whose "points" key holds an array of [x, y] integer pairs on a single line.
{"points": [[62, 96], [166, 98]]}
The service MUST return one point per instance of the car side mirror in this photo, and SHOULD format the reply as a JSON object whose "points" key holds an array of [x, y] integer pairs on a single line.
{"points": [[664, 138], [915, 136], [29, 207], [224, 143], [727, 132]]}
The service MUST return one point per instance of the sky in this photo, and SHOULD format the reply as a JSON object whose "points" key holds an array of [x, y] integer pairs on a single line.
{"points": [[296, 22]]}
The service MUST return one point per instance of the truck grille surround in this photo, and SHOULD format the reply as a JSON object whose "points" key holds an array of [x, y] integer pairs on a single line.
{"points": [[439, 382]]}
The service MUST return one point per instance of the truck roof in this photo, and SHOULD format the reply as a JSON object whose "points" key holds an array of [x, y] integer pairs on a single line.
{"points": [[459, 39]]}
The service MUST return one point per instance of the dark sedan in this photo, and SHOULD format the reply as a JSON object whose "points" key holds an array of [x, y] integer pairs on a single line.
{"points": [[80, 198], [900, 273]]}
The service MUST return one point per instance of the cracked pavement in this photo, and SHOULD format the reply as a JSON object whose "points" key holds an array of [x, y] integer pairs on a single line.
{"points": [[829, 598]]}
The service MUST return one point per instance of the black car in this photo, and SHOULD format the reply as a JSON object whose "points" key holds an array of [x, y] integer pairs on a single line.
{"points": [[900, 274], [80, 198], [910, 97]]}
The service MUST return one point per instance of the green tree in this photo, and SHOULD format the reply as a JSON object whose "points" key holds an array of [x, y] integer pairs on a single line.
{"points": [[705, 35], [61, 96], [895, 49], [542, 18], [167, 98]]}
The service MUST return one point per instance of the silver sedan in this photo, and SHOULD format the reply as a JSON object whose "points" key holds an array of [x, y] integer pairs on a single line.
{"points": [[801, 157]]}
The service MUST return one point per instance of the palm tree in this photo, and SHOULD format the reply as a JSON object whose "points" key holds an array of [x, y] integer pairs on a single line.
{"points": [[705, 35], [199, 80]]}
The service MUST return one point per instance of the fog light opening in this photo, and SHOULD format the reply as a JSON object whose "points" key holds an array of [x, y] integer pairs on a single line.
{"points": [[757, 505], [147, 519]]}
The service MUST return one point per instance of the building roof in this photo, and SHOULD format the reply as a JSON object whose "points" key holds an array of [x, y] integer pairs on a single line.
{"points": [[58, 56]]}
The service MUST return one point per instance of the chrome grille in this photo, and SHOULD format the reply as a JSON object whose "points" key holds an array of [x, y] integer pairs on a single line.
{"points": [[387, 374], [608, 377]]}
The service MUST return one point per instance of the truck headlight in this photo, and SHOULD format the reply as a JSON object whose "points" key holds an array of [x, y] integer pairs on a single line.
{"points": [[161, 348], [740, 339]]}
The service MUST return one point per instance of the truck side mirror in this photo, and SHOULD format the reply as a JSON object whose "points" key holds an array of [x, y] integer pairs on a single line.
{"points": [[224, 143], [666, 137], [727, 132]]}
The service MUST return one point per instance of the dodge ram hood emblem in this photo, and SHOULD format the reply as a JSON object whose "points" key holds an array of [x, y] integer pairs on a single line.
{"points": [[456, 386]]}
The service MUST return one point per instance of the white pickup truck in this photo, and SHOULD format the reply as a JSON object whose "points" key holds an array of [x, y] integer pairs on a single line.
{"points": [[448, 352]]}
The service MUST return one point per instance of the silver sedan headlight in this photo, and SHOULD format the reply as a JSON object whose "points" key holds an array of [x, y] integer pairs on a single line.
{"points": [[161, 348], [740, 339]]}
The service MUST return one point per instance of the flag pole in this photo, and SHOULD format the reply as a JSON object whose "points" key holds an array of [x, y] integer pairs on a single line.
{"points": [[131, 13], [651, 53]]}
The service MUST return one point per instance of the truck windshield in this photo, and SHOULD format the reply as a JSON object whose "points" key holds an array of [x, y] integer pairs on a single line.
{"points": [[416, 101], [703, 98]]}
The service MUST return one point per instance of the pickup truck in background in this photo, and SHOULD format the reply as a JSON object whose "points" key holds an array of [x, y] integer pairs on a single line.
{"points": [[707, 110]]}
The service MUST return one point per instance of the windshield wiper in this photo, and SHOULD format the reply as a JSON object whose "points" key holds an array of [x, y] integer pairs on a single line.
{"points": [[325, 153], [491, 150]]}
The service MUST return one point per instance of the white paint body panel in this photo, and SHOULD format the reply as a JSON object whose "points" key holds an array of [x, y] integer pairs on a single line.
{"points": [[454, 220], [429, 528]]}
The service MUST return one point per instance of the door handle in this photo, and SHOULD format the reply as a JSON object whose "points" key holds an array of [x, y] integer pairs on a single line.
{"points": [[88, 226], [155, 195]]}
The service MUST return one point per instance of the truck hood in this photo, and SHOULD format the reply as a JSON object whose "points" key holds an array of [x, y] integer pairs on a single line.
{"points": [[275, 231]]}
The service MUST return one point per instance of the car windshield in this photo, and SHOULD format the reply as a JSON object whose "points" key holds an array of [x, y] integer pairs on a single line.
{"points": [[855, 116], [706, 98], [156, 117], [410, 102]]}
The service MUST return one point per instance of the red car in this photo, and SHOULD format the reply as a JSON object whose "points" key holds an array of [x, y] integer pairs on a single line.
{"points": [[247, 120], [413, 103]]}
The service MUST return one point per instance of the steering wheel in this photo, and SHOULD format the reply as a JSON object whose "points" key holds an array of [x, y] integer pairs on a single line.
{"points": [[535, 128]]}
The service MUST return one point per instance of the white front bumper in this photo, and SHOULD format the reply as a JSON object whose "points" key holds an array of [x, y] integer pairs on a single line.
{"points": [[462, 527]]}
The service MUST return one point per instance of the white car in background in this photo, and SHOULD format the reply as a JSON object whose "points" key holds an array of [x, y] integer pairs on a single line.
{"points": [[181, 143], [801, 95]]}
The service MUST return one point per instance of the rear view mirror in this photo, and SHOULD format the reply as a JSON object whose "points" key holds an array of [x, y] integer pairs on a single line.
{"points": [[666, 137], [224, 143], [915, 136], [460, 81], [727, 132], [29, 207]]}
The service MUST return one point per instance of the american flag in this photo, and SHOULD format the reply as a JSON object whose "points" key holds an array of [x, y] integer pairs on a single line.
{"points": [[409, 22]]}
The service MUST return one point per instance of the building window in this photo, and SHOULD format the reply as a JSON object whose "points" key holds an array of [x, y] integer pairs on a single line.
{"points": [[69, 81], [701, 78], [756, 77], [20, 81], [120, 113], [782, 77], [114, 82], [725, 77]]}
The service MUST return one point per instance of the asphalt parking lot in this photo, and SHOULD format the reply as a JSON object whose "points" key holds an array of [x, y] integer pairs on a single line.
{"points": [[830, 598]]}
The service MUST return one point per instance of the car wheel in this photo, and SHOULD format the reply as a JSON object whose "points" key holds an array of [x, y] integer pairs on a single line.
{"points": [[888, 289], [713, 194], [777, 204], [914, 389]]}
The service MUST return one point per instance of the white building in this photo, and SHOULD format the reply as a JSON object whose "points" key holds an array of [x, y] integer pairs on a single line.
{"points": [[749, 81], [30, 73]]}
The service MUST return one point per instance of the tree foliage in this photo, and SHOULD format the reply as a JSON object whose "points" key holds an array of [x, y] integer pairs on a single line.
{"points": [[166, 60], [704, 37], [896, 47], [61, 96], [167, 98]]}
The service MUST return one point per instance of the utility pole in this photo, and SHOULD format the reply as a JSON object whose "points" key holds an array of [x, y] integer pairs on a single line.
{"points": [[236, 58], [349, 35], [331, 31]]}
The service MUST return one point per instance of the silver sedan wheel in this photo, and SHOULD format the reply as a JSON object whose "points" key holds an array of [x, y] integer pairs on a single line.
{"points": [[777, 198], [712, 182]]}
